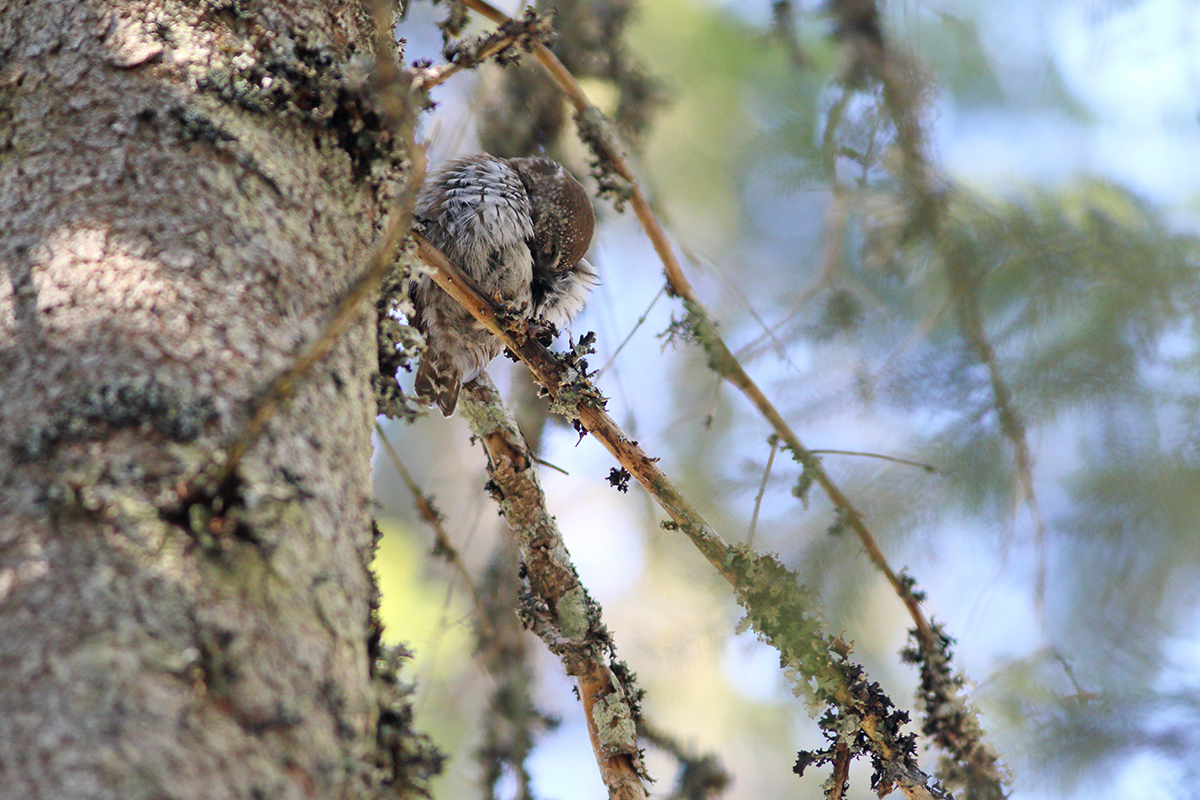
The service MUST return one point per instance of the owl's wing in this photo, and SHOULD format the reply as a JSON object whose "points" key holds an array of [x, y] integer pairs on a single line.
{"points": [[475, 210]]}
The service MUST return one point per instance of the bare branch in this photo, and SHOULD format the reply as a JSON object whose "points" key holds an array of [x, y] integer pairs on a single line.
{"points": [[640, 321], [773, 440], [893, 459], [444, 546]]}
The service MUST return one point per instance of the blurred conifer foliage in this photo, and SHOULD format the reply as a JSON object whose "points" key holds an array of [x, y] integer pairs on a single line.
{"points": [[1024, 336]]}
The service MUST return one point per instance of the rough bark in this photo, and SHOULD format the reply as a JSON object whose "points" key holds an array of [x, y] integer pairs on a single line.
{"points": [[174, 228]]}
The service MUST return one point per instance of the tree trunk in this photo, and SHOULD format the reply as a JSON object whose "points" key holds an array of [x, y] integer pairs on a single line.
{"points": [[180, 209]]}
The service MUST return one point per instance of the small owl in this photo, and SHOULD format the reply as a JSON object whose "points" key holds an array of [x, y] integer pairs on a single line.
{"points": [[519, 227]]}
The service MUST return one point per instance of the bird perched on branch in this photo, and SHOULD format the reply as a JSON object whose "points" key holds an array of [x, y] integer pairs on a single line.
{"points": [[520, 228]]}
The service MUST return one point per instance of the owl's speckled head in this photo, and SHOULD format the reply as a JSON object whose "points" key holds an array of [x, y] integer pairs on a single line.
{"points": [[563, 221]]}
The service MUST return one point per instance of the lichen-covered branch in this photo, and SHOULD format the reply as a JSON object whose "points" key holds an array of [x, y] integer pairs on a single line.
{"points": [[953, 725], [613, 172], [556, 606], [524, 33], [860, 716]]}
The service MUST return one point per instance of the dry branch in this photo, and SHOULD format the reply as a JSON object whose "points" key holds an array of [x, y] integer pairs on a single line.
{"points": [[395, 102], [351, 305]]}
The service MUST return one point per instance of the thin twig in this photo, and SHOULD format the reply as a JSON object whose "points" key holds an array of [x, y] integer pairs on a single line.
{"points": [[445, 547], [773, 440], [1082, 696], [894, 459], [784, 27], [964, 291], [768, 330], [832, 234], [640, 321], [546, 463]]}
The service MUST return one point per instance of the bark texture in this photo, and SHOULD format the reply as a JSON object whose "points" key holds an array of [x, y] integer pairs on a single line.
{"points": [[176, 223]]}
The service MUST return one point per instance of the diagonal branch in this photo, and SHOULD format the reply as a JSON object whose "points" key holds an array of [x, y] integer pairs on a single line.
{"points": [[597, 134], [558, 607], [399, 111], [779, 609], [349, 307], [396, 95], [572, 395], [858, 22]]}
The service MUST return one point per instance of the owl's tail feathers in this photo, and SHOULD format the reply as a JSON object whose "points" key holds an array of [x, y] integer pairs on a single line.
{"points": [[438, 381]]}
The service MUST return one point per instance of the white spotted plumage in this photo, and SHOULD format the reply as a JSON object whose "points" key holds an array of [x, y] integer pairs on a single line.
{"points": [[519, 227]]}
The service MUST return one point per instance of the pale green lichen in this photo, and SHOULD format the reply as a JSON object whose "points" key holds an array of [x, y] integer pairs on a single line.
{"points": [[573, 614], [614, 724], [483, 418]]}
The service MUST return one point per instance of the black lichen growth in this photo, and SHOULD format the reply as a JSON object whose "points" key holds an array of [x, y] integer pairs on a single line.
{"points": [[618, 478], [404, 760], [948, 720], [120, 403], [317, 86]]}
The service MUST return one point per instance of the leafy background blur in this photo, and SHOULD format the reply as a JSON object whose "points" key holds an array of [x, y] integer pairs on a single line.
{"points": [[1068, 135]]}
